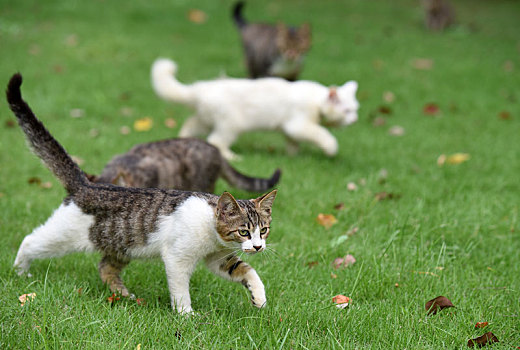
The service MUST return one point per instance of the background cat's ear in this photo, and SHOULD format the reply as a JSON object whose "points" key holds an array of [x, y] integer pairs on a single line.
{"points": [[352, 85], [265, 202], [227, 205], [333, 94]]}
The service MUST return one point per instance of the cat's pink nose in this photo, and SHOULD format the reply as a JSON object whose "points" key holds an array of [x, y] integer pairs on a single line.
{"points": [[257, 247]]}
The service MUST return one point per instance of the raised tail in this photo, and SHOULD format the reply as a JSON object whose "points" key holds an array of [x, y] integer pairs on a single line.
{"points": [[247, 183], [237, 14], [166, 85], [42, 142]]}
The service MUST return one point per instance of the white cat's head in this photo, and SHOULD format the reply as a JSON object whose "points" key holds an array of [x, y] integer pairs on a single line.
{"points": [[244, 224], [341, 106]]}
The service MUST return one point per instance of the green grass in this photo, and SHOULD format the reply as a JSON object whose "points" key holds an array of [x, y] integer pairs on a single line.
{"points": [[96, 55]]}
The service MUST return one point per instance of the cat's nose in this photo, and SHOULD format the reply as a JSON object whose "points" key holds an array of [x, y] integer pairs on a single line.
{"points": [[257, 247]]}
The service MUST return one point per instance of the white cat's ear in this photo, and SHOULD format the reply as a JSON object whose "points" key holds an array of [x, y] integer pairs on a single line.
{"points": [[351, 85], [227, 205], [333, 94], [265, 202]]}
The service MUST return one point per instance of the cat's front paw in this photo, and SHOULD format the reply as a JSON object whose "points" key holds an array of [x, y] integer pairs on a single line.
{"points": [[259, 302]]}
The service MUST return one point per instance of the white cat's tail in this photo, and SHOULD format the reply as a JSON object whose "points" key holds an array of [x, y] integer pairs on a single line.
{"points": [[166, 85]]}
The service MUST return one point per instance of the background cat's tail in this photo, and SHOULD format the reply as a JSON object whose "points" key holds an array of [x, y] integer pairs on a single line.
{"points": [[240, 21], [166, 85], [244, 182], [42, 142]]}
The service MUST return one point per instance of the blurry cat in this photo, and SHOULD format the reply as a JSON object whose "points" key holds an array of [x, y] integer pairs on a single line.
{"points": [[184, 164], [272, 50], [439, 14], [226, 108], [124, 223]]}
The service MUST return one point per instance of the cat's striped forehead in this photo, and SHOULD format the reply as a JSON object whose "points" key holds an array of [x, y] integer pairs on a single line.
{"points": [[252, 215]]}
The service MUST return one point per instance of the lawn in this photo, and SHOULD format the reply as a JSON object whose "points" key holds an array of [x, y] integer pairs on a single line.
{"points": [[417, 229]]}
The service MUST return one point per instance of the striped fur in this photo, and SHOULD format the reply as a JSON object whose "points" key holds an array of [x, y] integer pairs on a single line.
{"points": [[125, 223]]}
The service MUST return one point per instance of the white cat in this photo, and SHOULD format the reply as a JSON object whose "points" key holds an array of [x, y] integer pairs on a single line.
{"points": [[226, 108]]}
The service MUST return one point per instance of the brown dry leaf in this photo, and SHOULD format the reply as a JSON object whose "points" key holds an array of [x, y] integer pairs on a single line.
{"points": [[311, 264], [197, 16], [504, 115], [388, 96], [26, 297], [80, 291], [333, 275], [396, 130], [170, 123], [396, 285], [10, 123], [431, 109], [34, 180], [379, 121], [352, 231], [437, 304], [143, 124], [341, 301], [339, 206], [351, 186], [441, 160], [125, 130], [384, 110], [140, 301], [112, 299], [46, 184], [326, 220], [422, 63], [381, 196], [483, 340], [481, 324]]}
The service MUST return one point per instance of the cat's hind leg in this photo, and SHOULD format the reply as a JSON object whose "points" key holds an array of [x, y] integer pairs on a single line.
{"points": [[299, 130], [66, 231], [228, 266], [109, 271], [193, 127]]}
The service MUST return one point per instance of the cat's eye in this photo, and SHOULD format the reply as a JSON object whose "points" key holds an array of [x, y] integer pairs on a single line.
{"points": [[243, 233], [263, 231]]}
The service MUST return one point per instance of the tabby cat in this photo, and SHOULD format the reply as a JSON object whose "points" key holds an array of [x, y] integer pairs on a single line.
{"points": [[184, 164], [439, 14], [272, 50], [226, 108], [123, 223]]}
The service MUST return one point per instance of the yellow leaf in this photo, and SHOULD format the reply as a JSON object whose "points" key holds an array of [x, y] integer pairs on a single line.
{"points": [[457, 158], [197, 16], [143, 124], [26, 297], [326, 220]]}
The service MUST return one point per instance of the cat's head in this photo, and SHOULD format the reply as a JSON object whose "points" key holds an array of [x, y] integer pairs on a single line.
{"points": [[340, 106], [292, 43], [245, 223]]}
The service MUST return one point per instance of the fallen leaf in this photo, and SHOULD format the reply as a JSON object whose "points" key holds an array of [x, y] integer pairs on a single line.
{"points": [[170, 123], [351, 186], [352, 231], [326, 220], [341, 301], [112, 299], [339, 206], [125, 130], [26, 297], [80, 291], [379, 121], [77, 113], [388, 96], [381, 196], [197, 16], [140, 301], [504, 115], [46, 184], [396, 130], [338, 240], [10, 123], [396, 285], [126, 111], [34, 180], [333, 275], [431, 109], [343, 262], [441, 160], [311, 264], [385, 110], [422, 63], [483, 340], [437, 304], [138, 347], [143, 124], [481, 324], [457, 158]]}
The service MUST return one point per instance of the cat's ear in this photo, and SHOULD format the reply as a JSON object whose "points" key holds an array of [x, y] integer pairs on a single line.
{"points": [[351, 85], [333, 94], [227, 205], [265, 202]]}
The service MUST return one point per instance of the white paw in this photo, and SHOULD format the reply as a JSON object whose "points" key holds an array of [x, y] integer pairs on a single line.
{"points": [[331, 148], [258, 297]]}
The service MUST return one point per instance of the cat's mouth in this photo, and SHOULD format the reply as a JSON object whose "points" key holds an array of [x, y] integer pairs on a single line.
{"points": [[253, 250]]}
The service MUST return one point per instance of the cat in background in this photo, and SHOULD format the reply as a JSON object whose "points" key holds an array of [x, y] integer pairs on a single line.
{"points": [[439, 14], [272, 50], [226, 108], [187, 164], [124, 223]]}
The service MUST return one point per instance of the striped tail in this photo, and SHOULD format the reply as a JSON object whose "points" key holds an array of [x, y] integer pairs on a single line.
{"points": [[244, 182], [42, 142], [237, 15]]}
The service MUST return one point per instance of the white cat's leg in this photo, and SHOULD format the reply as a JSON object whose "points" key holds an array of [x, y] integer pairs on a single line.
{"points": [[305, 131], [227, 265], [193, 127], [223, 139], [66, 231], [178, 273]]}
